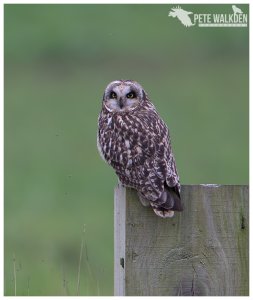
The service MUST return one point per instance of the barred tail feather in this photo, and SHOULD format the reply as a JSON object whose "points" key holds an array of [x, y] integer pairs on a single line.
{"points": [[168, 203]]}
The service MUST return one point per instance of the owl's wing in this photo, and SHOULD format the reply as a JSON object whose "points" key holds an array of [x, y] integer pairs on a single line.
{"points": [[162, 175], [151, 134], [156, 145]]}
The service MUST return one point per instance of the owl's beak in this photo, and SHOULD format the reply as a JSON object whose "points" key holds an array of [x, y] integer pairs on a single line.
{"points": [[121, 103]]}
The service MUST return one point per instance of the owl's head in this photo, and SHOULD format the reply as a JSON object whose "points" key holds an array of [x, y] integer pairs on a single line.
{"points": [[123, 96]]}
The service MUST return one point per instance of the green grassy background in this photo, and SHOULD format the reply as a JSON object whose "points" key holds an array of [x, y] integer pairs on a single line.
{"points": [[58, 60]]}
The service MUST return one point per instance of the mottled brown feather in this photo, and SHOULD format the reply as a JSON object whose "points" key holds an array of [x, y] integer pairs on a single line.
{"points": [[137, 145]]}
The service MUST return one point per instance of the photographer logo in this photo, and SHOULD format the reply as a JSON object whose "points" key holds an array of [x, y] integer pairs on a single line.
{"points": [[234, 19]]}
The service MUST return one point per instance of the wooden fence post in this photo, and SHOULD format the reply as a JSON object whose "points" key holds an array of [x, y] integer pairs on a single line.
{"points": [[203, 251]]}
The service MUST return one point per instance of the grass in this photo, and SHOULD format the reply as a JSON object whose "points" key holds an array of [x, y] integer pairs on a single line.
{"points": [[14, 275], [80, 261], [88, 284]]}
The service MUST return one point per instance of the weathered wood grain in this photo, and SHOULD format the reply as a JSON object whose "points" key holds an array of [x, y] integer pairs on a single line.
{"points": [[202, 251], [119, 239]]}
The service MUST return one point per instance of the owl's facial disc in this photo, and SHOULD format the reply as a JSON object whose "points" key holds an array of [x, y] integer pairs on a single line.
{"points": [[121, 97]]}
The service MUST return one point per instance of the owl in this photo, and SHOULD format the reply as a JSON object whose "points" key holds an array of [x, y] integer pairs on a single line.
{"points": [[135, 141]]}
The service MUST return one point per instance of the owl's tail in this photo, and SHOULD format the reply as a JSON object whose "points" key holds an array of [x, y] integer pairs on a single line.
{"points": [[168, 203]]}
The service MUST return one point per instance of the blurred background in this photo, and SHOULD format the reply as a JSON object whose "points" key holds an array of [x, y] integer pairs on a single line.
{"points": [[58, 60]]}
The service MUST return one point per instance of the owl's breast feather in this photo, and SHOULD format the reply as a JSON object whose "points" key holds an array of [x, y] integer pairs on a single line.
{"points": [[129, 140]]}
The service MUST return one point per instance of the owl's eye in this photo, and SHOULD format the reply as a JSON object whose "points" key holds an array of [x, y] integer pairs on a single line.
{"points": [[131, 95], [113, 95]]}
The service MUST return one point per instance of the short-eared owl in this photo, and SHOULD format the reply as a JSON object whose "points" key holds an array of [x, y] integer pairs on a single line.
{"points": [[135, 141]]}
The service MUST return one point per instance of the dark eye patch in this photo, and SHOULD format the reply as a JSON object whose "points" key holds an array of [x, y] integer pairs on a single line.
{"points": [[113, 95]]}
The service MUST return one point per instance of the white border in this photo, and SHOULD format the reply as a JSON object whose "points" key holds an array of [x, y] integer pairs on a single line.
{"points": [[110, 2], [2, 152], [125, 2]]}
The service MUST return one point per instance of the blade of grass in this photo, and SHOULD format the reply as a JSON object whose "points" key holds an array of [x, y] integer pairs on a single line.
{"points": [[64, 282], [28, 286], [80, 262], [14, 274]]}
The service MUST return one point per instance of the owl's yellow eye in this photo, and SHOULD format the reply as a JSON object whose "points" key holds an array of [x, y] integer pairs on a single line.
{"points": [[131, 95], [113, 95]]}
